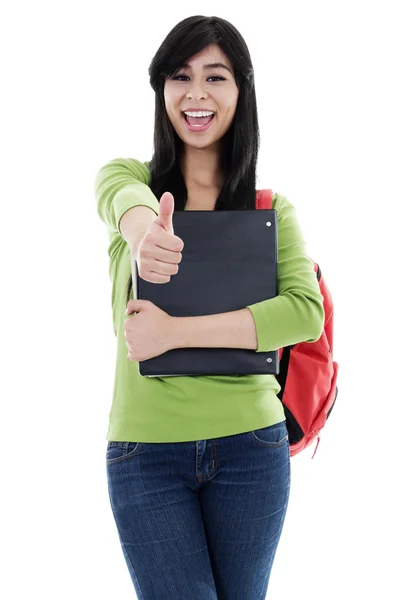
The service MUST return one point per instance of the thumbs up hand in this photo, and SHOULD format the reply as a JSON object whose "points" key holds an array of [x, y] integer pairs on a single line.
{"points": [[160, 251]]}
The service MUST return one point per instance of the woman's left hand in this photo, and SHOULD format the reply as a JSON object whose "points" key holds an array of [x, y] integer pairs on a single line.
{"points": [[149, 332]]}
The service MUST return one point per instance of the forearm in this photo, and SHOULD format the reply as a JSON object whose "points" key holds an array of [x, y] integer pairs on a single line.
{"points": [[134, 224], [235, 329]]}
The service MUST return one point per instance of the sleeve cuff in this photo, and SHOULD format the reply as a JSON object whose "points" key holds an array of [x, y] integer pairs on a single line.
{"points": [[137, 194]]}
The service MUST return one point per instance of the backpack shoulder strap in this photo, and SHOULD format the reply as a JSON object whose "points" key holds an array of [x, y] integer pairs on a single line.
{"points": [[264, 199]]}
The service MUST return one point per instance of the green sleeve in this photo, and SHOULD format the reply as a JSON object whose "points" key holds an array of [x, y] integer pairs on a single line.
{"points": [[119, 185], [296, 314]]}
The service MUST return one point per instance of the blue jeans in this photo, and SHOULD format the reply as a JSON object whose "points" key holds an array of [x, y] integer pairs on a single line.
{"points": [[201, 520]]}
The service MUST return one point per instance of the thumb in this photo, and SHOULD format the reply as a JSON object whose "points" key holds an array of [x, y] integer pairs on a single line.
{"points": [[166, 211]]}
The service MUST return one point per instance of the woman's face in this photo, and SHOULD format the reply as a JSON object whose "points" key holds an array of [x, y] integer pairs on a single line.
{"points": [[207, 88]]}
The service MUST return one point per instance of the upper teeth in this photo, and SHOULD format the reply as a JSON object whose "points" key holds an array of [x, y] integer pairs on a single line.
{"points": [[200, 113]]}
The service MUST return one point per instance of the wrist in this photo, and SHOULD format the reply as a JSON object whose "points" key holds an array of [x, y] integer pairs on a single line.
{"points": [[177, 333]]}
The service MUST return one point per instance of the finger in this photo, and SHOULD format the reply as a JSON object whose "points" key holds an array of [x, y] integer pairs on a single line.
{"points": [[134, 306]]}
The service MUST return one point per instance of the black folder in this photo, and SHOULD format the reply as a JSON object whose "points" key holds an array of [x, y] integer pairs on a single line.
{"points": [[229, 260]]}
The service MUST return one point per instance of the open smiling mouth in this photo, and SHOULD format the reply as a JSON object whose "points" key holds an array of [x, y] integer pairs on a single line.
{"points": [[198, 127]]}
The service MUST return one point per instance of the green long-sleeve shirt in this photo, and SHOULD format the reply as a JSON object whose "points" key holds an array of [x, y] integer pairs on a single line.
{"points": [[179, 409]]}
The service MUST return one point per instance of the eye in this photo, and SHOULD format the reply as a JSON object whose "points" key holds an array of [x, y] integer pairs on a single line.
{"points": [[211, 77]]}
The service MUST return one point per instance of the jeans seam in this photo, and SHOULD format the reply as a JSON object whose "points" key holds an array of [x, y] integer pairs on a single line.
{"points": [[269, 444], [110, 461]]}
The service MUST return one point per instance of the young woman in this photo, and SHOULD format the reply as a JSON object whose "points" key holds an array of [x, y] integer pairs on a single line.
{"points": [[198, 468]]}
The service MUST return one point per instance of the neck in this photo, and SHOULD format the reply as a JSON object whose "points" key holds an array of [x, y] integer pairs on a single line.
{"points": [[201, 168]]}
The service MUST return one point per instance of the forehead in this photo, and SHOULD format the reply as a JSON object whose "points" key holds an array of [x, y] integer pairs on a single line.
{"points": [[210, 55]]}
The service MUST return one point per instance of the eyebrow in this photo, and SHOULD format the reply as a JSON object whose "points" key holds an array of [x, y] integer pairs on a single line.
{"points": [[217, 65]]}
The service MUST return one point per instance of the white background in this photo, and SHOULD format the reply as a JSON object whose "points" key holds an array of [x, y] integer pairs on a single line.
{"points": [[75, 95]]}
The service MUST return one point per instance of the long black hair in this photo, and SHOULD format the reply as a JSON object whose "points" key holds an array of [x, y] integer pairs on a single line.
{"points": [[240, 145]]}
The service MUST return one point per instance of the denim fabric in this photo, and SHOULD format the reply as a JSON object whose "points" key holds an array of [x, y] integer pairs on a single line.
{"points": [[201, 520]]}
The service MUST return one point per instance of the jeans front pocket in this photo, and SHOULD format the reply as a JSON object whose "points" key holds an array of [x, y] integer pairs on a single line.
{"points": [[272, 436], [119, 451]]}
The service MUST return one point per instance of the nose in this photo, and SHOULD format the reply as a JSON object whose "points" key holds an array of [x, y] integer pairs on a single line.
{"points": [[196, 90]]}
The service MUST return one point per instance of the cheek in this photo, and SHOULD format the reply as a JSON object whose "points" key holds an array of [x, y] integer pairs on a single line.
{"points": [[227, 114], [232, 110], [168, 104], [172, 98], [171, 114]]}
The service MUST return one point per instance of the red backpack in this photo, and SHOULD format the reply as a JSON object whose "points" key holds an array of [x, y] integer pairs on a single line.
{"points": [[307, 372]]}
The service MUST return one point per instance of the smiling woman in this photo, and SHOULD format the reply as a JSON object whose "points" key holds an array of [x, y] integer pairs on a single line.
{"points": [[201, 77], [198, 468]]}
